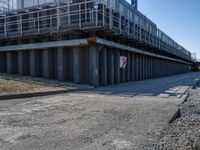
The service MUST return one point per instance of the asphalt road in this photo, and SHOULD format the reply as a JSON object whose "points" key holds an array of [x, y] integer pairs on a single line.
{"points": [[122, 117]]}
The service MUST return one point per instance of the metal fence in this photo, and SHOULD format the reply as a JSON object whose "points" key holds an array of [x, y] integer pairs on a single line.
{"points": [[67, 16]]}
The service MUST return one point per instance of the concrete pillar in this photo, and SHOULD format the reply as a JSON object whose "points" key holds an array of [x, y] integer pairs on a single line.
{"points": [[122, 70], [116, 66], [136, 67], [140, 67], [45, 64], [76, 65], [145, 67], [20, 63], [32, 64], [9, 63], [12, 62], [94, 66], [127, 69], [110, 66], [103, 67], [132, 69], [60, 63], [151, 68], [155, 68], [3, 62]]}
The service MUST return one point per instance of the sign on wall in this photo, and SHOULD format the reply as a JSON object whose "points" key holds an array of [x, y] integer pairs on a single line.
{"points": [[123, 62]]}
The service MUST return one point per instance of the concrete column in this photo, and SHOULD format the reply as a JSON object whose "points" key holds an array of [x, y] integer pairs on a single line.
{"points": [[76, 65], [60, 63], [145, 67], [3, 62], [140, 67], [116, 66], [94, 66], [132, 69], [20, 63], [103, 67], [159, 67], [136, 67], [151, 68], [45, 67], [32, 64], [9, 63], [127, 69], [122, 70], [154, 68], [110, 66]]}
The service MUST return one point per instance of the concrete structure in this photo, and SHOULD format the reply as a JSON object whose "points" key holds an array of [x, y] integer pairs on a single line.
{"points": [[83, 41]]}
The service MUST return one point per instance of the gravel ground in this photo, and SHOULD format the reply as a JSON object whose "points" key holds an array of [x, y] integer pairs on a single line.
{"points": [[184, 132], [121, 117]]}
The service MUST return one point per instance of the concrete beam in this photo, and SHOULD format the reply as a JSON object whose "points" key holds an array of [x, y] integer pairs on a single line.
{"points": [[45, 45], [84, 42], [128, 48]]}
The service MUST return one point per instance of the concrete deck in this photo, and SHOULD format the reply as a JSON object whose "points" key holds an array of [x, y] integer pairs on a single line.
{"points": [[125, 116]]}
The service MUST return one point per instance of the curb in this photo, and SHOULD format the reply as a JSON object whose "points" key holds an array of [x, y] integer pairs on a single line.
{"points": [[37, 94]]}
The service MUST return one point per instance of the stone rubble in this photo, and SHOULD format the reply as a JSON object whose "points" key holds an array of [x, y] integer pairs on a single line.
{"points": [[184, 132]]}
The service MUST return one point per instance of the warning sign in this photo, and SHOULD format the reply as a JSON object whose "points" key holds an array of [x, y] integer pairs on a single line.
{"points": [[123, 62]]}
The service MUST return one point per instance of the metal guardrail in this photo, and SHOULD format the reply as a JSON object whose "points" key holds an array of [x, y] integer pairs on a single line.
{"points": [[53, 18]]}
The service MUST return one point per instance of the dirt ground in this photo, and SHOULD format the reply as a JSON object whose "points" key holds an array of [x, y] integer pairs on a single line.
{"points": [[8, 86], [12, 85]]}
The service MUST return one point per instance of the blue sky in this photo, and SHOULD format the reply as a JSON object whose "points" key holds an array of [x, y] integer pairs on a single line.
{"points": [[180, 19]]}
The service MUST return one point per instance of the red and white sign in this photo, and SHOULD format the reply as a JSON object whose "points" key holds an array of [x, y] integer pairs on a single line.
{"points": [[123, 62]]}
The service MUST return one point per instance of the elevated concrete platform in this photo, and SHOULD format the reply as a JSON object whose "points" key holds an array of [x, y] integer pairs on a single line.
{"points": [[93, 61]]}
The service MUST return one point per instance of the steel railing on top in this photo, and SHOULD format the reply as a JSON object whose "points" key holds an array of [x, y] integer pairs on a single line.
{"points": [[82, 15]]}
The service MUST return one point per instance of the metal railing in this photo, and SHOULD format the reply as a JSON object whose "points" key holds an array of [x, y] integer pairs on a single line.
{"points": [[83, 15]]}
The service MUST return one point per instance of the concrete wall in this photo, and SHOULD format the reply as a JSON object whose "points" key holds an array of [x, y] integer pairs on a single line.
{"points": [[93, 64]]}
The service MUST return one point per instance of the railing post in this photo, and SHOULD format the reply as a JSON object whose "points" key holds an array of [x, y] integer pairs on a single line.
{"points": [[38, 15], [20, 24], [110, 18], [96, 16], [79, 18], [120, 25], [69, 20], [5, 28], [58, 15], [103, 17]]}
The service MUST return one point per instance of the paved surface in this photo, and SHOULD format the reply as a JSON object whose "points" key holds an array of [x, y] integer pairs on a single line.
{"points": [[126, 116]]}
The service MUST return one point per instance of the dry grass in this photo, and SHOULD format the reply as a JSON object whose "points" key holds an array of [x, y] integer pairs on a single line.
{"points": [[8, 86]]}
